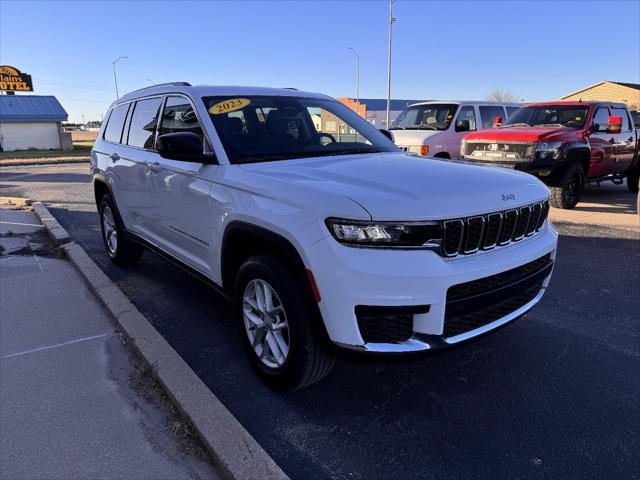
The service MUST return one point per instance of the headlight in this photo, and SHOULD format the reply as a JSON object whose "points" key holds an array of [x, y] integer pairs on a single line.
{"points": [[385, 234], [419, 149], [548, 149]]}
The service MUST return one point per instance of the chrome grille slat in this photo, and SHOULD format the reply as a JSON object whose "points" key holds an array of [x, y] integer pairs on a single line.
{"points": [[484, 232]]}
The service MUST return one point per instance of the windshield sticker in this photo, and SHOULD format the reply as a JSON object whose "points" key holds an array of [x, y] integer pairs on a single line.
{"points": [[230, 105]]}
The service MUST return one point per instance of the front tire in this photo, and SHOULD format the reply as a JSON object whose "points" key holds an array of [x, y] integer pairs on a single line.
{"points": [[121, 251], [275, 325], [568, 193]]}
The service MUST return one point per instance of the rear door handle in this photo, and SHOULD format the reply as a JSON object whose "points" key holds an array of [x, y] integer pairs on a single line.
{"points": [[154, 166], [114, 157]]}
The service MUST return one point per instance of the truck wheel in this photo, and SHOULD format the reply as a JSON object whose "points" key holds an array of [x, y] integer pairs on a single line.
{"points": [[633, 182], [275, 325], [121, 251], [568, 193]]}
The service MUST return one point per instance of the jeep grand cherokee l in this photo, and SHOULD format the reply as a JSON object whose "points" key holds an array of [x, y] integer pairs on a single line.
{"points": [[318, 242]]}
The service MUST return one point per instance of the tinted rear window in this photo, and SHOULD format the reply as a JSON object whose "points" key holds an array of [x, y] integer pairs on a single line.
{"points": [[113, 131], [143, 123]]}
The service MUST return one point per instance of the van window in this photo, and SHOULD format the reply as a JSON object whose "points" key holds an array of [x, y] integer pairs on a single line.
{"points": [[488, 113], [179, 116], [621, 112], [512, 110], [113, 130], [143, 123], [467, 113]]}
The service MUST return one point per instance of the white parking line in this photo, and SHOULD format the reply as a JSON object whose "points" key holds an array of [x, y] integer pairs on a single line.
{"points": [[56, 345]]}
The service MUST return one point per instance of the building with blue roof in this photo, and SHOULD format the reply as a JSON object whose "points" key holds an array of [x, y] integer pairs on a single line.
{"points": [[32, 122]]}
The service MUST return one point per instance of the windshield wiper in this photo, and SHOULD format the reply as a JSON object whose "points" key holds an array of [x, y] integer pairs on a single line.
{"points": [[521, 124], [353, 151], [397, 127], [549, 125]]}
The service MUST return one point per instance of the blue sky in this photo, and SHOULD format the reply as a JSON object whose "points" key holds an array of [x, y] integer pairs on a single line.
{"points": [[454, 49]]}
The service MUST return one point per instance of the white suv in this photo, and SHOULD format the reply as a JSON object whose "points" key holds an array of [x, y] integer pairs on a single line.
{"points": [[322, 231]]}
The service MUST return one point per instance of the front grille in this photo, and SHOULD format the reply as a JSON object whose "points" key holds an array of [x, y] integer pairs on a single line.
{"points": [[471, 305], [457, 325], [387, 324], [468, 235], [488, 151]]}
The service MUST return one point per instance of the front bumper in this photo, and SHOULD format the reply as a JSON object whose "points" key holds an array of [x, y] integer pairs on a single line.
{"points": [[348, 277]]}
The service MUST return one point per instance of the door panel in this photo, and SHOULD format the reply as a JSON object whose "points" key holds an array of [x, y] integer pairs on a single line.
{"points": [[180, 221], [602, 146], [625, 142]]}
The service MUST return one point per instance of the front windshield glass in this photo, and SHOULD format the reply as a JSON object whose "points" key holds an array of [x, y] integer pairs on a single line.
{"points": [[432, 116], [268, 128], [553, 115]]}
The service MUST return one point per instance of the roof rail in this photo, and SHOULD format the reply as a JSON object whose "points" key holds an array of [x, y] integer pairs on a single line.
{"points": [[168, 84]]}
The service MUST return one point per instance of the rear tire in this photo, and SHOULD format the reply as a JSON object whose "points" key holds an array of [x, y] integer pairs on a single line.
{"points": [[568, 193], [633, 182], [281, 346], [121, 251]]}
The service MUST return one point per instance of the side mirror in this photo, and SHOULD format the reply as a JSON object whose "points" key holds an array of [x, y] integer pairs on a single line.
{"points": [[497, 121], [184, 146], [387, 134], [614, 125], [463, 126]]}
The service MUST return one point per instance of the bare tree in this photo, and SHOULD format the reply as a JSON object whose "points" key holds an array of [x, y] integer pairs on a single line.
{"points": [[502, 95]]}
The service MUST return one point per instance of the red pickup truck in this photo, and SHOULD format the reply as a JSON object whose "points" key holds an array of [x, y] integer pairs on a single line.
{"points": [[565, 144]]}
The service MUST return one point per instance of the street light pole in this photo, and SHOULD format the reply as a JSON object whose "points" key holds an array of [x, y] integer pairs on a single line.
{"points": [[357, 78], [115, 78], [391, 20]]}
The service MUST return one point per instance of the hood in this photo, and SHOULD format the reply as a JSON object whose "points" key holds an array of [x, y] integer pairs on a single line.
{"points": [[406, 138], [524, 134], [396, 186]]}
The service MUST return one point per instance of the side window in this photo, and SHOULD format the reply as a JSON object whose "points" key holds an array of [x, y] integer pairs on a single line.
{"points": [[621, 112], [143, 123], [178, 116], [466, 114], [488, 113], [601, 117], [113, 130], [512, 110]]}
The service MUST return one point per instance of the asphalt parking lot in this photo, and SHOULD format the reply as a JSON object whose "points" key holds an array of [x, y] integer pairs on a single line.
{"points": [[553, 395]]}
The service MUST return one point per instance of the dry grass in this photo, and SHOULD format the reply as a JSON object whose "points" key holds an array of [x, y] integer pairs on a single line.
{"points": [[78, 151], [144, 382]]}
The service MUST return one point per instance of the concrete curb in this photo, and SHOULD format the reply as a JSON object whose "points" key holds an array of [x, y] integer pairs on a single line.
{"points": [[56, 232], [43, 161], [18, 202], [236, 454]]}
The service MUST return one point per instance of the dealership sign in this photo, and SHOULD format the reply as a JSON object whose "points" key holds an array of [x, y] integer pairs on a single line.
{"points": [[12, 79]]}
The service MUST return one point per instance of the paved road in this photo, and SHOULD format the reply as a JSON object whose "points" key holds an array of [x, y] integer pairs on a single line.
{"points": [[554, 395]]}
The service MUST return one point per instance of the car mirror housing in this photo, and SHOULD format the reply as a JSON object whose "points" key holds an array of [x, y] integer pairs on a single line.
{"points": [[387, 134], [183, 146], [614, 125], [463, 126]]}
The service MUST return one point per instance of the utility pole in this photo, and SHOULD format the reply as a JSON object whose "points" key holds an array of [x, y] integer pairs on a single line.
{"points": [[357, 78], [391, 20], [115, 77]]}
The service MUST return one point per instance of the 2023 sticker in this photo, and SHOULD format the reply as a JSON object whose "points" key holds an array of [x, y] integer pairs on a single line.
{"points": [[230, 105]]}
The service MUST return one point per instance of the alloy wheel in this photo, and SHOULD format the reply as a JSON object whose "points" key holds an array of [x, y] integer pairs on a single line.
{"points": [[265, 323], [109, 231]]}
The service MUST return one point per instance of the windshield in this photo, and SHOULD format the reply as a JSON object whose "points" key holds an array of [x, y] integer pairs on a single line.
{"points": [[433, 116], [268, 128], [561, 115]]}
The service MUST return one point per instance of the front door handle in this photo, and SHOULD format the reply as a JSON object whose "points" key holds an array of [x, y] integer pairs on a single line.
{"points": [[114, 157], [155, 167]]}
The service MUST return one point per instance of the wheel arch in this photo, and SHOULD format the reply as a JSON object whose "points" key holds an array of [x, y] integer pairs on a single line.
{"points": [[243, 240]]}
